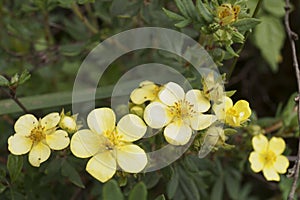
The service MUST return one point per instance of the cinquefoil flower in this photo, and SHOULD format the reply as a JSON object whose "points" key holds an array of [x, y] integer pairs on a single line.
{"points": [[234, 115], [37, 137], [147, 91], [267, 157], [228, 13], [110, 145], [179, 113]]}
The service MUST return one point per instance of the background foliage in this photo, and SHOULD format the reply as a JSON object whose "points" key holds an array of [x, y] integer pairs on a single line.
{"points": [[50, 38]]}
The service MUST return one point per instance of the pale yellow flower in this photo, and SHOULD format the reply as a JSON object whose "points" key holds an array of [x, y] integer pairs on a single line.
{"points": [[147, 91], [267, 157], [110, 145], [179, 113], [227, 13], [234, 115], [37, 137]]}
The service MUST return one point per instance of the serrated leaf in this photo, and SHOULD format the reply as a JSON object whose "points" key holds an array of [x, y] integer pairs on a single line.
{"points": [[183, 23], [173, 15], [3, 81], [112, 191], [204, 12], [246, 24], [14, 166], [173, 184], [139, 191], [269, 37], [70, 172]]}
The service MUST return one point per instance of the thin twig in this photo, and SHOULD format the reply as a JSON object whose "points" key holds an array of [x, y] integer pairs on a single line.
{"points": [[243, 45], [292, 36], [15, 98]]}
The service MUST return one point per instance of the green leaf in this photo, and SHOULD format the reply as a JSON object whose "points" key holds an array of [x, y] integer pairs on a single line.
{"points": [[230, 93], [204, 12], [173, 15], [269, 37], [70, 172], [160, 197], [188, 186], [14, 166], [151, 179], [25, 76], [2, 188], [173, 184], [112, 191], [183, 23], [190, 8], [217, 191], [276, 8], [139, 192], [3, 81], [232, 185], [71, 49], [246, 24], [181, 8]]}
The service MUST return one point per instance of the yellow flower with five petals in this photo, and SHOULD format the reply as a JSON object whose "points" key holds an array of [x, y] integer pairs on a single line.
{"points": [[147, 91], [110, 145], [233, 115], [37, 137], [267, 157], [179, 113]]}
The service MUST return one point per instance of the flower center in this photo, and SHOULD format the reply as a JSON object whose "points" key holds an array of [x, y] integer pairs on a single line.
{"points": [[232, 112], [114, 139], [228, 13], [182, 109], [269, 158], [37, 134]]}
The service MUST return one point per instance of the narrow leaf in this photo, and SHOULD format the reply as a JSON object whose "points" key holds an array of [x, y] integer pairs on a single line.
{"points": [[3, 81], [203, 11], [14, 166], [70, 172], [173, 15]]}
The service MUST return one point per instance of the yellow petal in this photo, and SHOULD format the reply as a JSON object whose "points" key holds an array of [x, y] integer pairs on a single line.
{"points": [[202, 121], [171, 93], [221, 108], [102, 166], [270, 174], [38, 154], [156, 115], [86, 143], [199, 102], [260, 143], [131, 158], [131, 128], [19, 144], [277, 145], [256, 162], [178, 133], [147, 92], [101, 120], [58, 140], [25, 124], [281, 164], [50, 121], [242, 107]]}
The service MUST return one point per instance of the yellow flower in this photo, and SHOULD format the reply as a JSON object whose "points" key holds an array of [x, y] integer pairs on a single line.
{"points": [[37, 137], [267, 157], [228, 13], [179, 113], [110, 145], [234, 115], [146, 92]]}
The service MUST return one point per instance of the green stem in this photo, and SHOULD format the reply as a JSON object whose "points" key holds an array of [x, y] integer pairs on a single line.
{"points": [[93, 17], [86, 22], [232, 67]]}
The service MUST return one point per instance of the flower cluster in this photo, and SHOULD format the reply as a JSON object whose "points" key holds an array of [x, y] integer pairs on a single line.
{"points": [[110, 144]]}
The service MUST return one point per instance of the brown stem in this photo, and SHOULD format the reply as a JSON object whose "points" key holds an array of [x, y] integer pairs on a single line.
{"points": [[13, 96], [292, 36]]}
